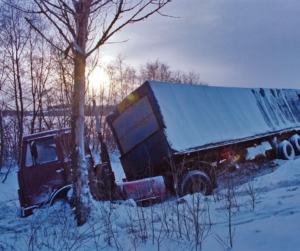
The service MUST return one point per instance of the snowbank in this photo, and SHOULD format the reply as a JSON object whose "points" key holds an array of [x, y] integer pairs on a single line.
{"points": [[272, 225]]}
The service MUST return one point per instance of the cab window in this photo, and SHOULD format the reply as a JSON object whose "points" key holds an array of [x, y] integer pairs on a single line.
{"points": [[39, 152]]}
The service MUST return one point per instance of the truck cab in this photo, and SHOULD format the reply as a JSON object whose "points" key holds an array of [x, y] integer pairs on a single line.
{"points": [[43, 168], [45, 174]]}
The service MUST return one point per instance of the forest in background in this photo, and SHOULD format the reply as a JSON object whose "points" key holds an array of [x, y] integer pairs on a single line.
{"points": [[36, 83]]}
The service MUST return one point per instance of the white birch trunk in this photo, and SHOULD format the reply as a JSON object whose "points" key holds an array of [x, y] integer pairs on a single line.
{"points": [[81, 186]]}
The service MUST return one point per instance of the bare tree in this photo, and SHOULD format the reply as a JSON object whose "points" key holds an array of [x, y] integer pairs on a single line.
{"points": [[84, 26], [122, 79], [156, 70], [13, 40], [26, 67], [59, 96], [160, 71], [253, 189], [1, 139], [40, 65], [2, 80], [230, 206]]}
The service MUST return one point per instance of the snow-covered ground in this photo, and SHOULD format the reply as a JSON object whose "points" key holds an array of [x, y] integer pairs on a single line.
{"points": [[273, 224]]}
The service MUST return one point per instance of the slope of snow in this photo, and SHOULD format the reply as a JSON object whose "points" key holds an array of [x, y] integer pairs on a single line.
{"points": [[272, 225]]}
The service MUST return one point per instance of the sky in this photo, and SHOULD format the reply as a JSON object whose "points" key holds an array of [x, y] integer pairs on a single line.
{"points": [[228, 42]]}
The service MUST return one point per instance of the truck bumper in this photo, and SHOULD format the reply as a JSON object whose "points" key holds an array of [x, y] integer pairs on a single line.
{"points": [[27, 211]]}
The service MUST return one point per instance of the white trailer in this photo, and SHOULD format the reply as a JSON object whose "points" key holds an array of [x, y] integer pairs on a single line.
{"points": [[178, 130]]}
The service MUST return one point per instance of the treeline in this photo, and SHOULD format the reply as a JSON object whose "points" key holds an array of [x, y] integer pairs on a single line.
{"points": [[36, 81]]}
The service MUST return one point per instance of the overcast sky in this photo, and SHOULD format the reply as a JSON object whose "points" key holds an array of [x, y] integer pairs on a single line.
{"points": [[254, 43]]}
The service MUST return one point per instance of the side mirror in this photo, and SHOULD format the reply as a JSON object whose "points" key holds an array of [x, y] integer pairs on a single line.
{"points": [[33, 150]]}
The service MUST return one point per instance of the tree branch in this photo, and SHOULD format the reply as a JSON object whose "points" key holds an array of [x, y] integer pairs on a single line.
{"points": [[44, 12], [38, 31], [107, 34]]}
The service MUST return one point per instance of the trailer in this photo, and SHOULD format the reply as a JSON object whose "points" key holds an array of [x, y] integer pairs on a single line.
{"points": [[172, 138], [178, 130]]}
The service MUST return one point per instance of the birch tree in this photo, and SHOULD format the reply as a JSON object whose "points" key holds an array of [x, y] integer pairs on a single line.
{"points": [[84, 26]]}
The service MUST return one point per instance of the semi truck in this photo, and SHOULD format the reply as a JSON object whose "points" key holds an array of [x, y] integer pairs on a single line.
{"points": [[172, 140]]}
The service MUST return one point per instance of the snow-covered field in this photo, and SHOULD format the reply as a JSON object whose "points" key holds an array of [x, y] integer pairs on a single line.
{"points": [[263, 214]]}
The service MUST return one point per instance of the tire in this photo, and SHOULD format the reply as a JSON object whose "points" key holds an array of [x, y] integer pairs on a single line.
{"points": [[285, 151], [295, 141], [194, 182]]}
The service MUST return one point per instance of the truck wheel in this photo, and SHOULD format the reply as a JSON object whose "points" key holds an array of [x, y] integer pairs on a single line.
{"points": [[195, 181], [285, 150], [295, 141]]}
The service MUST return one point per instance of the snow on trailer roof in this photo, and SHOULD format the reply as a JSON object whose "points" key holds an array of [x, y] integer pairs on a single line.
{"points": [[198, 117]]}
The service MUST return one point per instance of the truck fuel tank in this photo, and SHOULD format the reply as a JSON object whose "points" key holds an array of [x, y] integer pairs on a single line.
{"points": [[153, 188]]}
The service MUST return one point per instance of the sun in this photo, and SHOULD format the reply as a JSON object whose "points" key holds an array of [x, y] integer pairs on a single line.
{"points": [[98, 79]]}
